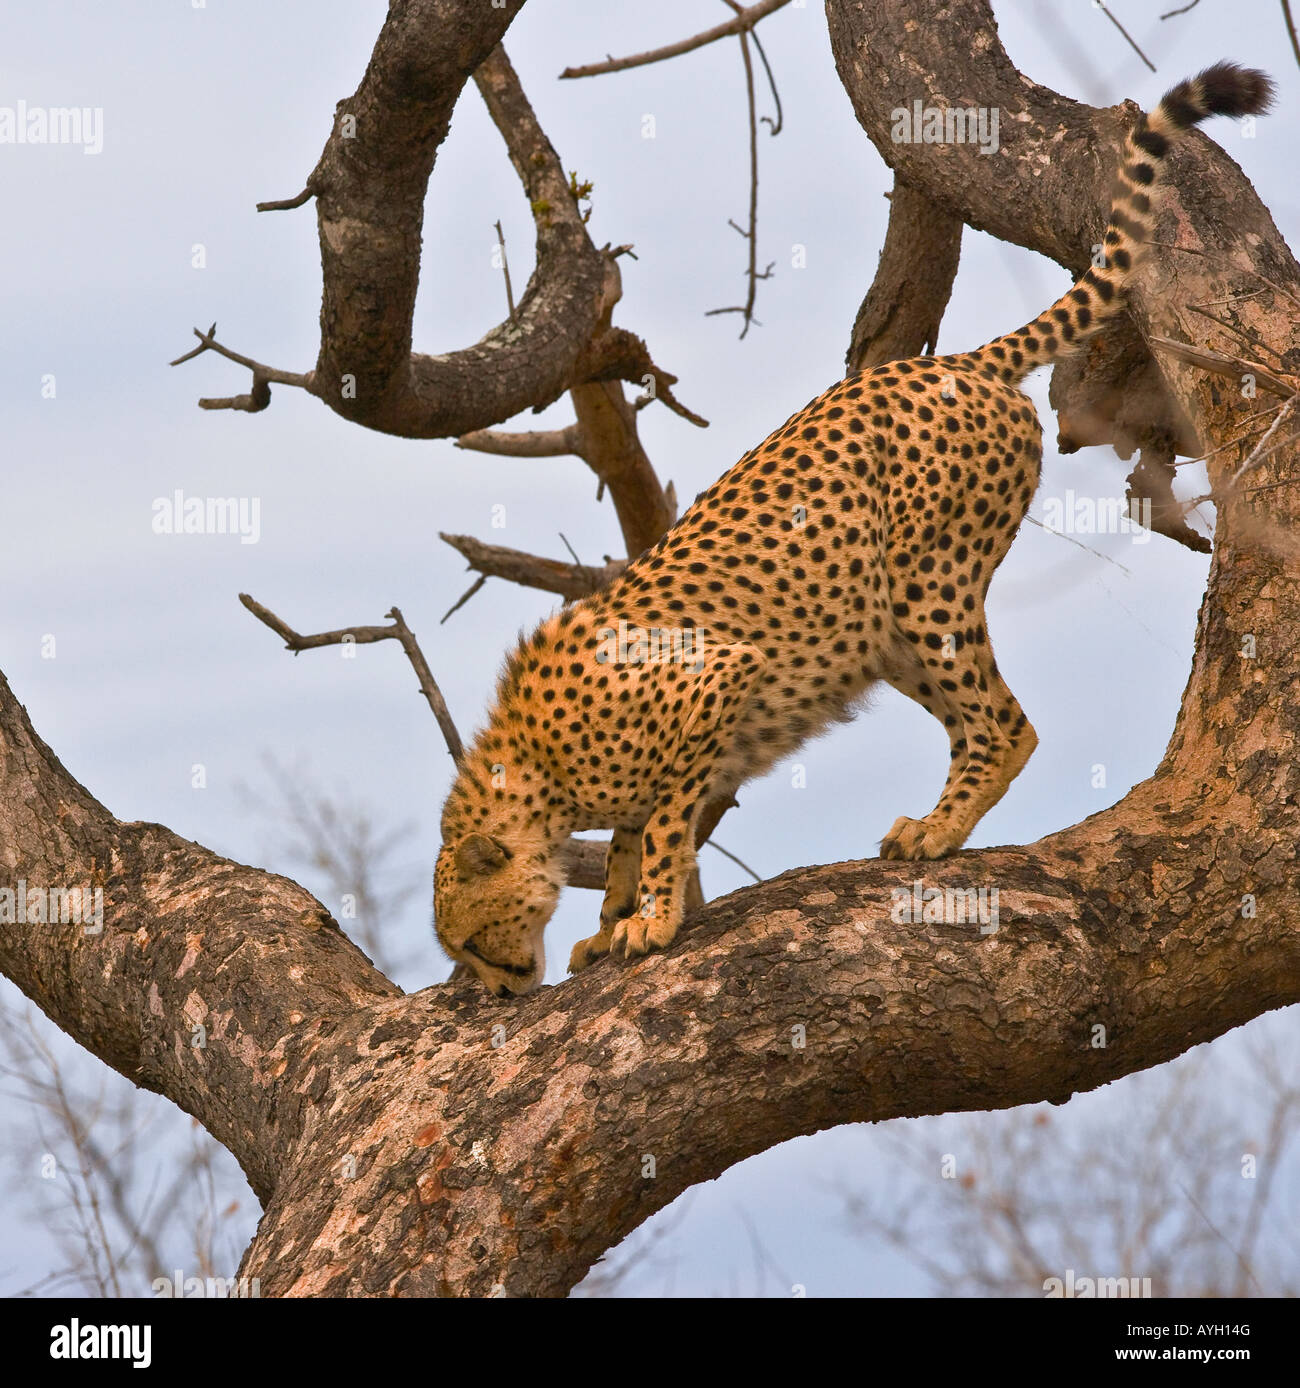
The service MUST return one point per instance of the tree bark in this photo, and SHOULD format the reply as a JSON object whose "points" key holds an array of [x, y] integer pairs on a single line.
{"points": [[901, 313], [449, 1143]]}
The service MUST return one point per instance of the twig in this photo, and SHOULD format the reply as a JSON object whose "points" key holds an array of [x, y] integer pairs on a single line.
{"points": [[287, 204], [209, 343], [1258, 454], [1231, 299], [1254, 461], [752, 272], [727, 853], [464, 597], [1223, 447], [260, 396], [1249, 339], [399, 631], [1080, 544], [1271, 486], [745, 19], [1214, 1229], [1290, 29], [581, 567], [537, 443], [1101, 6], [1221, 364], [779, 123], [505, 270], [1171, 13]]}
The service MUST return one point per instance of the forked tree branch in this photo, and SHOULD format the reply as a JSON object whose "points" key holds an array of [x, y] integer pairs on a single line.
{"points": [[369, 188], [364, 635]]}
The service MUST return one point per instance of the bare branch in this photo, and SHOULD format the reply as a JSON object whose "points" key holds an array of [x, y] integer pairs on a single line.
{"points": [[399, 632], [208, 343], [538, 443], [1261, 451], [752, 272], [741, 24], [505, 270], [464, 598], [1223, 364], [739, 862], [288, 204], [1290, 29], [532, 571], [1101, 6], [1252, 340], [260, 396]]}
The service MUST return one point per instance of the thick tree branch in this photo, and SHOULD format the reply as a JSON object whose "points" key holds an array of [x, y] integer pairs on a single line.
{"points": [[371, 183], [369, 187], [1048, 188], [208, 982], [901, 313], [402, 1149]]}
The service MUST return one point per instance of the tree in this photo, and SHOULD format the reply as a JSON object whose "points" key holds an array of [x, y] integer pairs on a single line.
{"points": [[443, 1143]]}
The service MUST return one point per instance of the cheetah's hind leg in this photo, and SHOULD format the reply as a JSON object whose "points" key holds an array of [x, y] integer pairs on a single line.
{"points": [[995, 742]]}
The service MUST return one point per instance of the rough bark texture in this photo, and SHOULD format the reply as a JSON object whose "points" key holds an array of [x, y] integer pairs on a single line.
{"points": [[370, 186], [405, 1145], [1048, 188], [901, 313]]}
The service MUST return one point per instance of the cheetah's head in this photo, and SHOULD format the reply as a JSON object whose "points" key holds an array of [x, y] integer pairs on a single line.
{"points": [[490, 907]]}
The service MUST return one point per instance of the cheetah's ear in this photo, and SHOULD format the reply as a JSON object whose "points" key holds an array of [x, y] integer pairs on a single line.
{"points": [[477, 855]]}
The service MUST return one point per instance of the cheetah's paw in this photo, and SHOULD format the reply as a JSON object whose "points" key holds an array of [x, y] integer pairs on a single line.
{"points": [[914, 839], [639, 935], [587, 951]]}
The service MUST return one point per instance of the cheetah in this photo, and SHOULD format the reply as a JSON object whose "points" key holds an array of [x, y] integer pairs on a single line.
{"points": [[854, 545]]}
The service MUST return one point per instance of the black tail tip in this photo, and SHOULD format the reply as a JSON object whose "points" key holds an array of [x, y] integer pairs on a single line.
{"points": [[1227, 89]]}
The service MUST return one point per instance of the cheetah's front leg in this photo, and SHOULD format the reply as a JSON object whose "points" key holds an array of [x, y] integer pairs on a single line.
{"points": [[718, 701], [622, 873]]}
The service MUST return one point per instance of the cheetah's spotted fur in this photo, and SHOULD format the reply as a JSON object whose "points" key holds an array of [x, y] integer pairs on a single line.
{"points": [[855, 544]]}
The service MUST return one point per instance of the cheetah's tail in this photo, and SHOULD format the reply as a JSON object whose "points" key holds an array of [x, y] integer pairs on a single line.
{"points": [[1222, 90]]}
